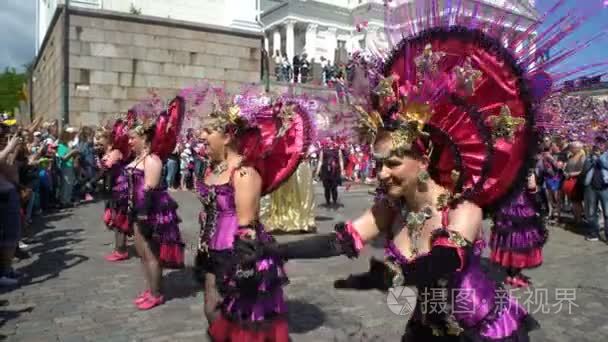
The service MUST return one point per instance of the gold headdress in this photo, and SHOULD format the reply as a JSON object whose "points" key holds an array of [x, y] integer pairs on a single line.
{"points": [[427, 62], [505, 125], [141, 125], [407, 124], [411, 117], [368, 124], [224, 116], [466, 77], [285, 116]]}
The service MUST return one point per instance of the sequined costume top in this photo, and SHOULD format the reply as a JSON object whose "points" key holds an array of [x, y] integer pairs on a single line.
{"points": [[456, 298], [250, 296]]}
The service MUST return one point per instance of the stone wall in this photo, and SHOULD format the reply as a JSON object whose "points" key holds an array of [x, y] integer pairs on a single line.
{"points": [[117, 59], [47, 85]]}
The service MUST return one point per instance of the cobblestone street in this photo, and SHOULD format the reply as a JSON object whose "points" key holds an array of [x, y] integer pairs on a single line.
{"points": [[72, 294]]}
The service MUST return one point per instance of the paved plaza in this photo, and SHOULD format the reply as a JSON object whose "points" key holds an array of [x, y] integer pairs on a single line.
{"points": [[72, 294]]}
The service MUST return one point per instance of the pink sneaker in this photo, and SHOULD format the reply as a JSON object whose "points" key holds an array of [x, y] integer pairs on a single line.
{"points": [[150, 301], [142, 297], [88, 198], [117, 256]]}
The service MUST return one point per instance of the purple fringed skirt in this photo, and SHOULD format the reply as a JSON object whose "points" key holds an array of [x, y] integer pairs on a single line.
{"points": [[166, 233], [116, 213], [518, 234], [253, 298]]}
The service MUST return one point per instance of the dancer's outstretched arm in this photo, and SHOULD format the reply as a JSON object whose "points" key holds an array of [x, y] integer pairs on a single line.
{"points": [[400, 266], [347, 239]]}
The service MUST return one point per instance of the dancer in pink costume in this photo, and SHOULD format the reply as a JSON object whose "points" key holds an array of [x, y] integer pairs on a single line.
{"points": [[452, 121], [253, 148], [152, 212], [114, 145]]}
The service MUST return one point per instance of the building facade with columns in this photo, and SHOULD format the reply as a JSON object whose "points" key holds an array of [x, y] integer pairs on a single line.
{"points": [[334, 28]]}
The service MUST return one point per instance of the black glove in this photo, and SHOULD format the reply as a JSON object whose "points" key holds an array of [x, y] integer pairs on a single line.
{"points": [[316, 247], [248, 251], [379, 277]]}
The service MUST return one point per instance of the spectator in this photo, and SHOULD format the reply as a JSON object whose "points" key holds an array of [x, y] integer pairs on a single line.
{"points": [[10, 225], [278, 65], [286, 68], [186, 160], [171, 168], [552, 177], [86, 161], [296, 68], [65, 156], [304, 68], [596, 188], [573, 185]]}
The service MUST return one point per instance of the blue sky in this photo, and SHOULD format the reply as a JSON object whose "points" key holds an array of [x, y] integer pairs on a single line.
{"points": [[18, 21], [598, 51]]}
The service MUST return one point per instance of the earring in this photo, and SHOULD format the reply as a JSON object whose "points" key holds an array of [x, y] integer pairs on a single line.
{"points": [[423, 176]]}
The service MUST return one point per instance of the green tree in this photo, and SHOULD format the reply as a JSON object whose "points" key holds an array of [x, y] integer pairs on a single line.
{"points": [[11, 85]]}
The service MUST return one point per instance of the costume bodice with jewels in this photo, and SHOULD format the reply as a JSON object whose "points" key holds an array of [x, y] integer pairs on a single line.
{"points": [[161, 200], [458, 300], [118, 180], [218, 217]]}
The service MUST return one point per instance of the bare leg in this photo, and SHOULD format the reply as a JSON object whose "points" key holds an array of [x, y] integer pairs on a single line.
{"points": [[152, 266], [577, 209], [120, 243], [212, 298], [558, 204], [139, 247]]}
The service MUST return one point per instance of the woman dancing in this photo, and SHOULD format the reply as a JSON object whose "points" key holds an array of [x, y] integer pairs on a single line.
{"points": [[245, 304], [113, 145], [152, 211], [451, 122], [519, 234]]}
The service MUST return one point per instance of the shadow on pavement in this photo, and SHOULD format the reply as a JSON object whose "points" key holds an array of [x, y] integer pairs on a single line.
{"points": [[303, 317], [180, 284], [6, 314], [51, 248]]}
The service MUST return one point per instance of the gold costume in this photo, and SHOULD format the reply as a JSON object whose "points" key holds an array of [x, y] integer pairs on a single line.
{"points": [[291, 208]]}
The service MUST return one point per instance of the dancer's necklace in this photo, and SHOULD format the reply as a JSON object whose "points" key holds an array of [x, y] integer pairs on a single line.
{"points": [[220, 168], [141, 157], [415, 222]]}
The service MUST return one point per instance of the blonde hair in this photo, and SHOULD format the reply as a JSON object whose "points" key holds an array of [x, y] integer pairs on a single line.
{"points": [[103, 133]]}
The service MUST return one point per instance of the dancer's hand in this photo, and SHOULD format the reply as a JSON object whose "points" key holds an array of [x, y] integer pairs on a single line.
{"points": [[248, 251], [378, 278]]}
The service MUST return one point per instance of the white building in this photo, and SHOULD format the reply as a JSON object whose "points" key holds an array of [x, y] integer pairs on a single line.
{"points": [[239, 14], [334, 28]]}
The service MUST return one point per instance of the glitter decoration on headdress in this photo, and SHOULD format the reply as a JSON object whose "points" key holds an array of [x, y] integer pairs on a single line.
{"points": [[505, 125], [368, 123], [226, 116], [427, 62], [466, 76]]}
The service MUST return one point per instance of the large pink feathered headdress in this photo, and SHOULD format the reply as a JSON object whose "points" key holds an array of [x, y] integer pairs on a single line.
{"points": [[167, 126], [277, 141]]}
